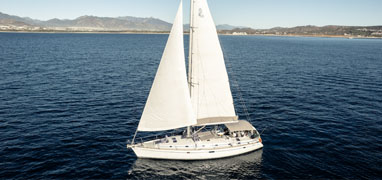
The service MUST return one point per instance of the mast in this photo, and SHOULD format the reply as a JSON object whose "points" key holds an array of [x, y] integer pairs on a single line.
{"points": [[190, 46], [190, 55]]}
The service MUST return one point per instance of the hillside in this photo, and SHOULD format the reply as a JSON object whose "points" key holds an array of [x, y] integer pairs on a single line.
{"points": [[84, 23], [90, 23], [332, 30], [138, 24]]}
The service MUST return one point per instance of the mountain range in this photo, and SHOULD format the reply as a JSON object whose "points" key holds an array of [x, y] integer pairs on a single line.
{"points": [[138, 24], [93, 23], [309, 30], [89, 23]]}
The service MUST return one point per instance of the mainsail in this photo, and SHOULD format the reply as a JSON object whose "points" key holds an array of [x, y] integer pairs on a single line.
{"points": [[169, 105], [208, 79]]}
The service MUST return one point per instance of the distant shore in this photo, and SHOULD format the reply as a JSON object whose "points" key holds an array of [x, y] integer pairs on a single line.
{"points": [[167, 32], [92, 32], [305, 35]]}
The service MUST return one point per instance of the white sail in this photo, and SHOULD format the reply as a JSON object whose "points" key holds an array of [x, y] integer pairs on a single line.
{"points": [[169, 105], [210, 90]]}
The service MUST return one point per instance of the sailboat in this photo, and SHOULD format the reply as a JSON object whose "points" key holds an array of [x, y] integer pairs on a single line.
{"points": [[200, 105]]}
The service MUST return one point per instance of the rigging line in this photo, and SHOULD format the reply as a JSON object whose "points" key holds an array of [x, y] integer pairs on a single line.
{"points": [[135, 134], [263, 130], [235, 82]]}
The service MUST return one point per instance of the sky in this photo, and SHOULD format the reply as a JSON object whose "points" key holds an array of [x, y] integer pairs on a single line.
{"points": [[251, 13]]}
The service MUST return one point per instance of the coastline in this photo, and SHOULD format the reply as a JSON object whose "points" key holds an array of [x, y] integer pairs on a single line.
{"points": [[307, 35], [90, 32], [165, 32]]}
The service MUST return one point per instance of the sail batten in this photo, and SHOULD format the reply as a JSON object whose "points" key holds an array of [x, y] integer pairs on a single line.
{"points": [[169, 105], [209, 84]]}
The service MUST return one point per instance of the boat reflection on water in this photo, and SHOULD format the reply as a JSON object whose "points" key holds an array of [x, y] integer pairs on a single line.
{"points": [[246, 165]]}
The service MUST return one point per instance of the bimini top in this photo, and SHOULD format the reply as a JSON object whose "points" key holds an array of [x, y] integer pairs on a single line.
{"points": [[242, 125]]}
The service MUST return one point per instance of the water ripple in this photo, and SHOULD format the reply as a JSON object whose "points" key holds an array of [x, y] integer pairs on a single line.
{"points": [[69, 102]]}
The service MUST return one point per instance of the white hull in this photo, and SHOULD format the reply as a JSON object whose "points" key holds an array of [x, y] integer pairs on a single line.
{"points": [[195, 153]]}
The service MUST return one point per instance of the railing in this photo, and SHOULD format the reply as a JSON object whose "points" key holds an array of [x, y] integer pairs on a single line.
{"points": [[175, 147], [141, 140]]}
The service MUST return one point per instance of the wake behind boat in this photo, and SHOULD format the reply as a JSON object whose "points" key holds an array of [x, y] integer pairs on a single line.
{"points": [[212, 169], [202, 102]]}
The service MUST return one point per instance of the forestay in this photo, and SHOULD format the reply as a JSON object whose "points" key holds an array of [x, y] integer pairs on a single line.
{"points": [[169, 105], [209, 85]]}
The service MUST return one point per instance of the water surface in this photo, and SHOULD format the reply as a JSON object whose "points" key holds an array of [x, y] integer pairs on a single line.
{"points": [[69, 102]]}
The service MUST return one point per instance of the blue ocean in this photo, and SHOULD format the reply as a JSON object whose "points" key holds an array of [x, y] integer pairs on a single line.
{"points": [[69, 103]]}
